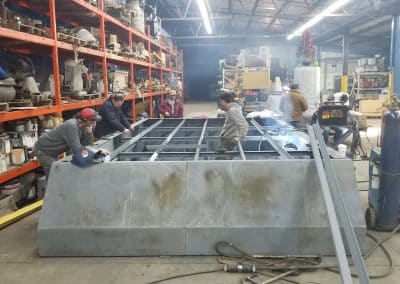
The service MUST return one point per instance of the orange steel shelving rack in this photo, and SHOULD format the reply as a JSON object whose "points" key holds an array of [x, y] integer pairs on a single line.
{"points": [[80, 13]]}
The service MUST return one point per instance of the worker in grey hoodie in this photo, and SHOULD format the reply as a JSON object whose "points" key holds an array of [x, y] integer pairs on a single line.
{"points": [[70, 136], [235, 127]]}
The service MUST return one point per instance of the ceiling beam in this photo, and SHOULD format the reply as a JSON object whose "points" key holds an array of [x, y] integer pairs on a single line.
{"points": [[279, 13], [228, 36], [361, 23], [187, 8], [253, 12], [222, 18]]}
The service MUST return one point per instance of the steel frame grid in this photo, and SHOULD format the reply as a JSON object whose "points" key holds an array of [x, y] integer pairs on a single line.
{"points": [[193, 140]]}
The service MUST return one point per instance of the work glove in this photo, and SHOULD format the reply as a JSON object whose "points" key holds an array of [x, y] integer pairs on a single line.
{"points": [[104, 152], [235, 139], [89, 129]]}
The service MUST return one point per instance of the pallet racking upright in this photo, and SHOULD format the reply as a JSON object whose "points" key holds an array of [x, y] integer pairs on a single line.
{"points": [[77, 13]]}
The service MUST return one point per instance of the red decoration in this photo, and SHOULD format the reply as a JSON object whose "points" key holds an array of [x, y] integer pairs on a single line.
{"points": [[307, 50]]}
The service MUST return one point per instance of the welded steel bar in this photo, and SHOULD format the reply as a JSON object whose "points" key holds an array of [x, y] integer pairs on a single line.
{"points": [[166, 141], [271, 141], [343, 211], [332, 217], [253, 155], [196, 156], [242, 154], [178, 147], [132, 141]]}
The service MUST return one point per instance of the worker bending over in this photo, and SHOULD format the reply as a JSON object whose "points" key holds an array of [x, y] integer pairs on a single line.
{"points": [[171, 107], [235, 126], [293, 105], [70, 136], [112, 118]]}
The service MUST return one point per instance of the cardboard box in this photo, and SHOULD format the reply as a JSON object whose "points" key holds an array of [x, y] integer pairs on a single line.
{"points": [[256, 79], [7, 205]]}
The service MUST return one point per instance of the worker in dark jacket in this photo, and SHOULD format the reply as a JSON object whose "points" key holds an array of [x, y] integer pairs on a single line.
{"points": [[70, 136], [112, 117], [293, 105], [171, 107]]}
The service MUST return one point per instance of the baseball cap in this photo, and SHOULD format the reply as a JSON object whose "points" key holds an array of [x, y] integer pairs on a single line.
{"points": [[83, 158], [89, 114]]}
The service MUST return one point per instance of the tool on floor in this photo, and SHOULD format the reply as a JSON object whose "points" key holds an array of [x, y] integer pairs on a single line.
{"points": [[245, 268]]}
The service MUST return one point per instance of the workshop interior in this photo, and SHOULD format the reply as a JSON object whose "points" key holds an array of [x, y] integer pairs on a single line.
{"points": [[200, 141]]}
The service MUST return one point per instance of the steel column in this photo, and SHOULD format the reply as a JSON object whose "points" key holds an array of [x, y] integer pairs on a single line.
{"points": [[343, 211], [345, 73], [332, 217], [103, 47], [54, 57], [395, 56]]}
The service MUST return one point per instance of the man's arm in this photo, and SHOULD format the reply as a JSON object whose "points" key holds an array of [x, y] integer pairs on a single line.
{"points": [[124, 121], [161, 109], [70, 135], [179, 110], [304, 103], [87, 138], [239, 120], [110, 116]]}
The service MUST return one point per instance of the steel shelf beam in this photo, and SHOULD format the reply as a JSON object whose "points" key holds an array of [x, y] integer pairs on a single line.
{"points": [[19, 170], [16, 35], [56, 10]]}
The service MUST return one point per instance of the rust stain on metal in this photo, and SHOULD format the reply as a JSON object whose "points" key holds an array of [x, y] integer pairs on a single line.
{"points": [[169, 190]]}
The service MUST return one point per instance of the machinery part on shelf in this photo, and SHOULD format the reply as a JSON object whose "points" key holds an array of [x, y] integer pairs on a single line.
{"points": [[177, 205], [76, 80], [7, 90], [86, 36]]}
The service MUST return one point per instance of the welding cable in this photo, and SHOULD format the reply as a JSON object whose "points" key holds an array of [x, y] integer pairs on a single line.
{"points": [[245, 258], [241, 256], [378, 243], [186, 275]]}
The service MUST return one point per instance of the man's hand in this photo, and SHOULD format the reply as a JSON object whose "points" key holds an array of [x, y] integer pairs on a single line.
{"points": [[235, 139], [105, 152], [89, 129], [167, 114], [127, 130]]}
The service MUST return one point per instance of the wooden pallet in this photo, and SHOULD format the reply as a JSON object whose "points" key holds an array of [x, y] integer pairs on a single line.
{"points": [[48, 102], [30, 29], [20, 104], [71, 39], [112, 52], [89, 97], [4, 107], [95, 47]]}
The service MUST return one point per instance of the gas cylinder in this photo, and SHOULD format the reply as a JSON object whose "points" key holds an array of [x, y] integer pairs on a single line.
{"points": [[389, 183]]}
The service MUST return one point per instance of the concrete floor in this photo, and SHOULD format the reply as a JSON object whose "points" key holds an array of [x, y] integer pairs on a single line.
{"points": [[19, 262]]}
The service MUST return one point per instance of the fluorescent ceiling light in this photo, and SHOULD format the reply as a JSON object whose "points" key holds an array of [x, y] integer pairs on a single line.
{"points": [[204, 14], [329, 10]]}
